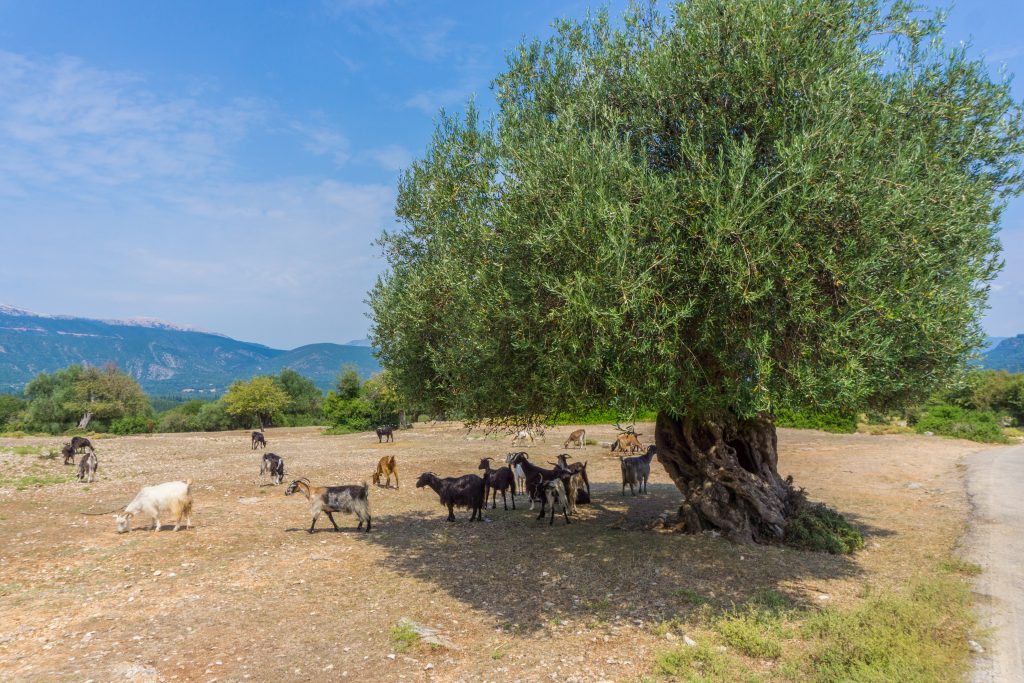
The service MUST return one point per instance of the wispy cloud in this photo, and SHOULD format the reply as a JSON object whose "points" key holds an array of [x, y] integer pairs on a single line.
{"points": [[60, 118], [1005, 54], [391, 157], [323, 140]]}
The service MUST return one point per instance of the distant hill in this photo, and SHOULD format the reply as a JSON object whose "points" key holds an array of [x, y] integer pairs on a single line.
{"points": [[1008, 354], [165, 358]]}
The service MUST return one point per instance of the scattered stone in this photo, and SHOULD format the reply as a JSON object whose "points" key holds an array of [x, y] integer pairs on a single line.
{"points": [[975, 646], [427, 635], [428, 667], [913, 485], [824, 596], [690, 642]]}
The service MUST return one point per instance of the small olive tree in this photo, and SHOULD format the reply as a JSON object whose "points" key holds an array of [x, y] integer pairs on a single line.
{"points": [[739, 206], [259, 398]]}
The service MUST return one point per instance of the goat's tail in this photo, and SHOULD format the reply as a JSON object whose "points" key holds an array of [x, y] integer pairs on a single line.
{"points": [[364, 493]]}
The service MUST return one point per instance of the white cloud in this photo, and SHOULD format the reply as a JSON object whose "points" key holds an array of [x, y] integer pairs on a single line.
{"points": [[324, 141], [391, 157]]}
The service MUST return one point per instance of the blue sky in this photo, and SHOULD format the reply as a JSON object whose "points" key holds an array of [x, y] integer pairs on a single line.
{"points": [[228, 164]]}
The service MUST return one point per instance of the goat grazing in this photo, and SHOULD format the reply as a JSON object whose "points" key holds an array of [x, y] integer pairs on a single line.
{"points": [[80, 443], [579, 437], [466, 491], [386, 433], [174, 497], [518, 470], [87, 467], [555, 496], [500, 479], [258, 440], [386, 466], [68, 451], [637, 470], [273, 465], [331, 499]]}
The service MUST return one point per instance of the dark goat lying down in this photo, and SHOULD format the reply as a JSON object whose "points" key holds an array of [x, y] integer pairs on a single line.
{"points": [[466, 491]]}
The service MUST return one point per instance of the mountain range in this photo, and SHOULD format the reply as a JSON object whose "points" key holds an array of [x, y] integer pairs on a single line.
{"points": [[165, 358]]}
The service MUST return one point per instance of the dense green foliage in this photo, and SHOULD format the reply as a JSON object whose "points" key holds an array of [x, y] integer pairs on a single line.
{"points": [[733, 208], [835, 422], [948, 420], [10, 407], [56, 402], [354, 406], [133, 424], [261, 399]]}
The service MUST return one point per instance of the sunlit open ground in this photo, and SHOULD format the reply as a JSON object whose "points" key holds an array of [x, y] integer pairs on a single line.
{"points": [[248, 594]]}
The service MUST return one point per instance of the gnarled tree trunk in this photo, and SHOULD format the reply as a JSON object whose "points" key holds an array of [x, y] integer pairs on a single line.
{"points": [[728, 474]]}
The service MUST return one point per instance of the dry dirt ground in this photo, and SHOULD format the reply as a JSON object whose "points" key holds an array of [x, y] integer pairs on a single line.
{"points": [[249, 595]]}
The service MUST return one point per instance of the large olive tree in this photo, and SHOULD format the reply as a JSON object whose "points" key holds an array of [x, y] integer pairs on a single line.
{"points": [[741, 205]]}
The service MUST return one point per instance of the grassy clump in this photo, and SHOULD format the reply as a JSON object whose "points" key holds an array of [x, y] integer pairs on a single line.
{"points": [[753, 632], [814, 526], [960, 423], [404, 636], [914, 637], [35, 481], [700, 662]]}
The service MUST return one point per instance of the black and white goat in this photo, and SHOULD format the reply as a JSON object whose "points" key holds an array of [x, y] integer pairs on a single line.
{"points": [[87, 467], [579, 472], [273, 465], [535, 477], [637, 470], [466, 491], [517, 469], [258, 440], [501, 479], [331, 499]]}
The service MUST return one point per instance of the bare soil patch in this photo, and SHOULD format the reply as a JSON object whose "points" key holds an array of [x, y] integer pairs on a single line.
{"points": [[248, 594]]}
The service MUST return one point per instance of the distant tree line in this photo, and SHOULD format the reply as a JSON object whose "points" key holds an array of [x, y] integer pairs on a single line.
{"points": [[55, 403]]}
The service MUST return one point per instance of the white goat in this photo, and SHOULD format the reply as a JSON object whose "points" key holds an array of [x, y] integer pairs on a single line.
{"points": [[174, 497]]}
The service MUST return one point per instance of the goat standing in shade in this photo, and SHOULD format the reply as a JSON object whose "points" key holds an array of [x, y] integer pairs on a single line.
{"points": [[555, 495], [518, 470], [637, 470], [466, 491], [331, 499], [273, 464], [500, 479]]}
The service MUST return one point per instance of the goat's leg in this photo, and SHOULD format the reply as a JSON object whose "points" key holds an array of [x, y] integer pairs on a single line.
{"points": [[504, 500], [316, 516], [451, 512], [565, 512], [330, 516]]}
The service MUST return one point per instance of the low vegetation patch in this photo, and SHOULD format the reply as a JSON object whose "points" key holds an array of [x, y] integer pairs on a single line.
{"points": [[404, 636], [34, 481], [836, 423], [960, 423], [815, 526]]}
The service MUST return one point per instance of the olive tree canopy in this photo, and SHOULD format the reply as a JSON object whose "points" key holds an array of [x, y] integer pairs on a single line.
{"points": [[733, 207]]}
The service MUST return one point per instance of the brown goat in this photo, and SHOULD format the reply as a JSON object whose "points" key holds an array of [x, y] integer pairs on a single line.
{"points": [[629, 441], [386, 466], [579, 437]]}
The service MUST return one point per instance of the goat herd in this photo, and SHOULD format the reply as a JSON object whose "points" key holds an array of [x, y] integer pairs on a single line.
{"points": [[560, 488]]}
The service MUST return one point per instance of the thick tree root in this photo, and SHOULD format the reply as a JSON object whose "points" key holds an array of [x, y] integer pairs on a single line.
{"points": [[728, 474]]}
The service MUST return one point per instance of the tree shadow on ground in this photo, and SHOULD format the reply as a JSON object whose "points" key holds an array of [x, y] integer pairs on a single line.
{"points": [[613, 562]]}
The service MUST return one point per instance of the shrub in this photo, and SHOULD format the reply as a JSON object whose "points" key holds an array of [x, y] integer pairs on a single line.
{"points": [[133, 424], [814, 526], [961, 423], [837, 423], [597, 416]]}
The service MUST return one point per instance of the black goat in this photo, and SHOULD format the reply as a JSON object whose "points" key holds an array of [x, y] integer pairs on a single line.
{"points": [[536, 477], [80, 443], [386, 433], [500, 479], [579, 469], [258, 439], [637, 470], [68, 451], [273, 465], [466, 491]]}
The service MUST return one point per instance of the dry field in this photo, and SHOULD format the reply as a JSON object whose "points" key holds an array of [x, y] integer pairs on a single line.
{"points": [[249, 595]]}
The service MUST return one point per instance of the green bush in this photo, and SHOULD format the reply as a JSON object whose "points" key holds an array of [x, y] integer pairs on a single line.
{"points": [[133, 424], [837, 423], [814, 526], [599, 416], [961, 423]]}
